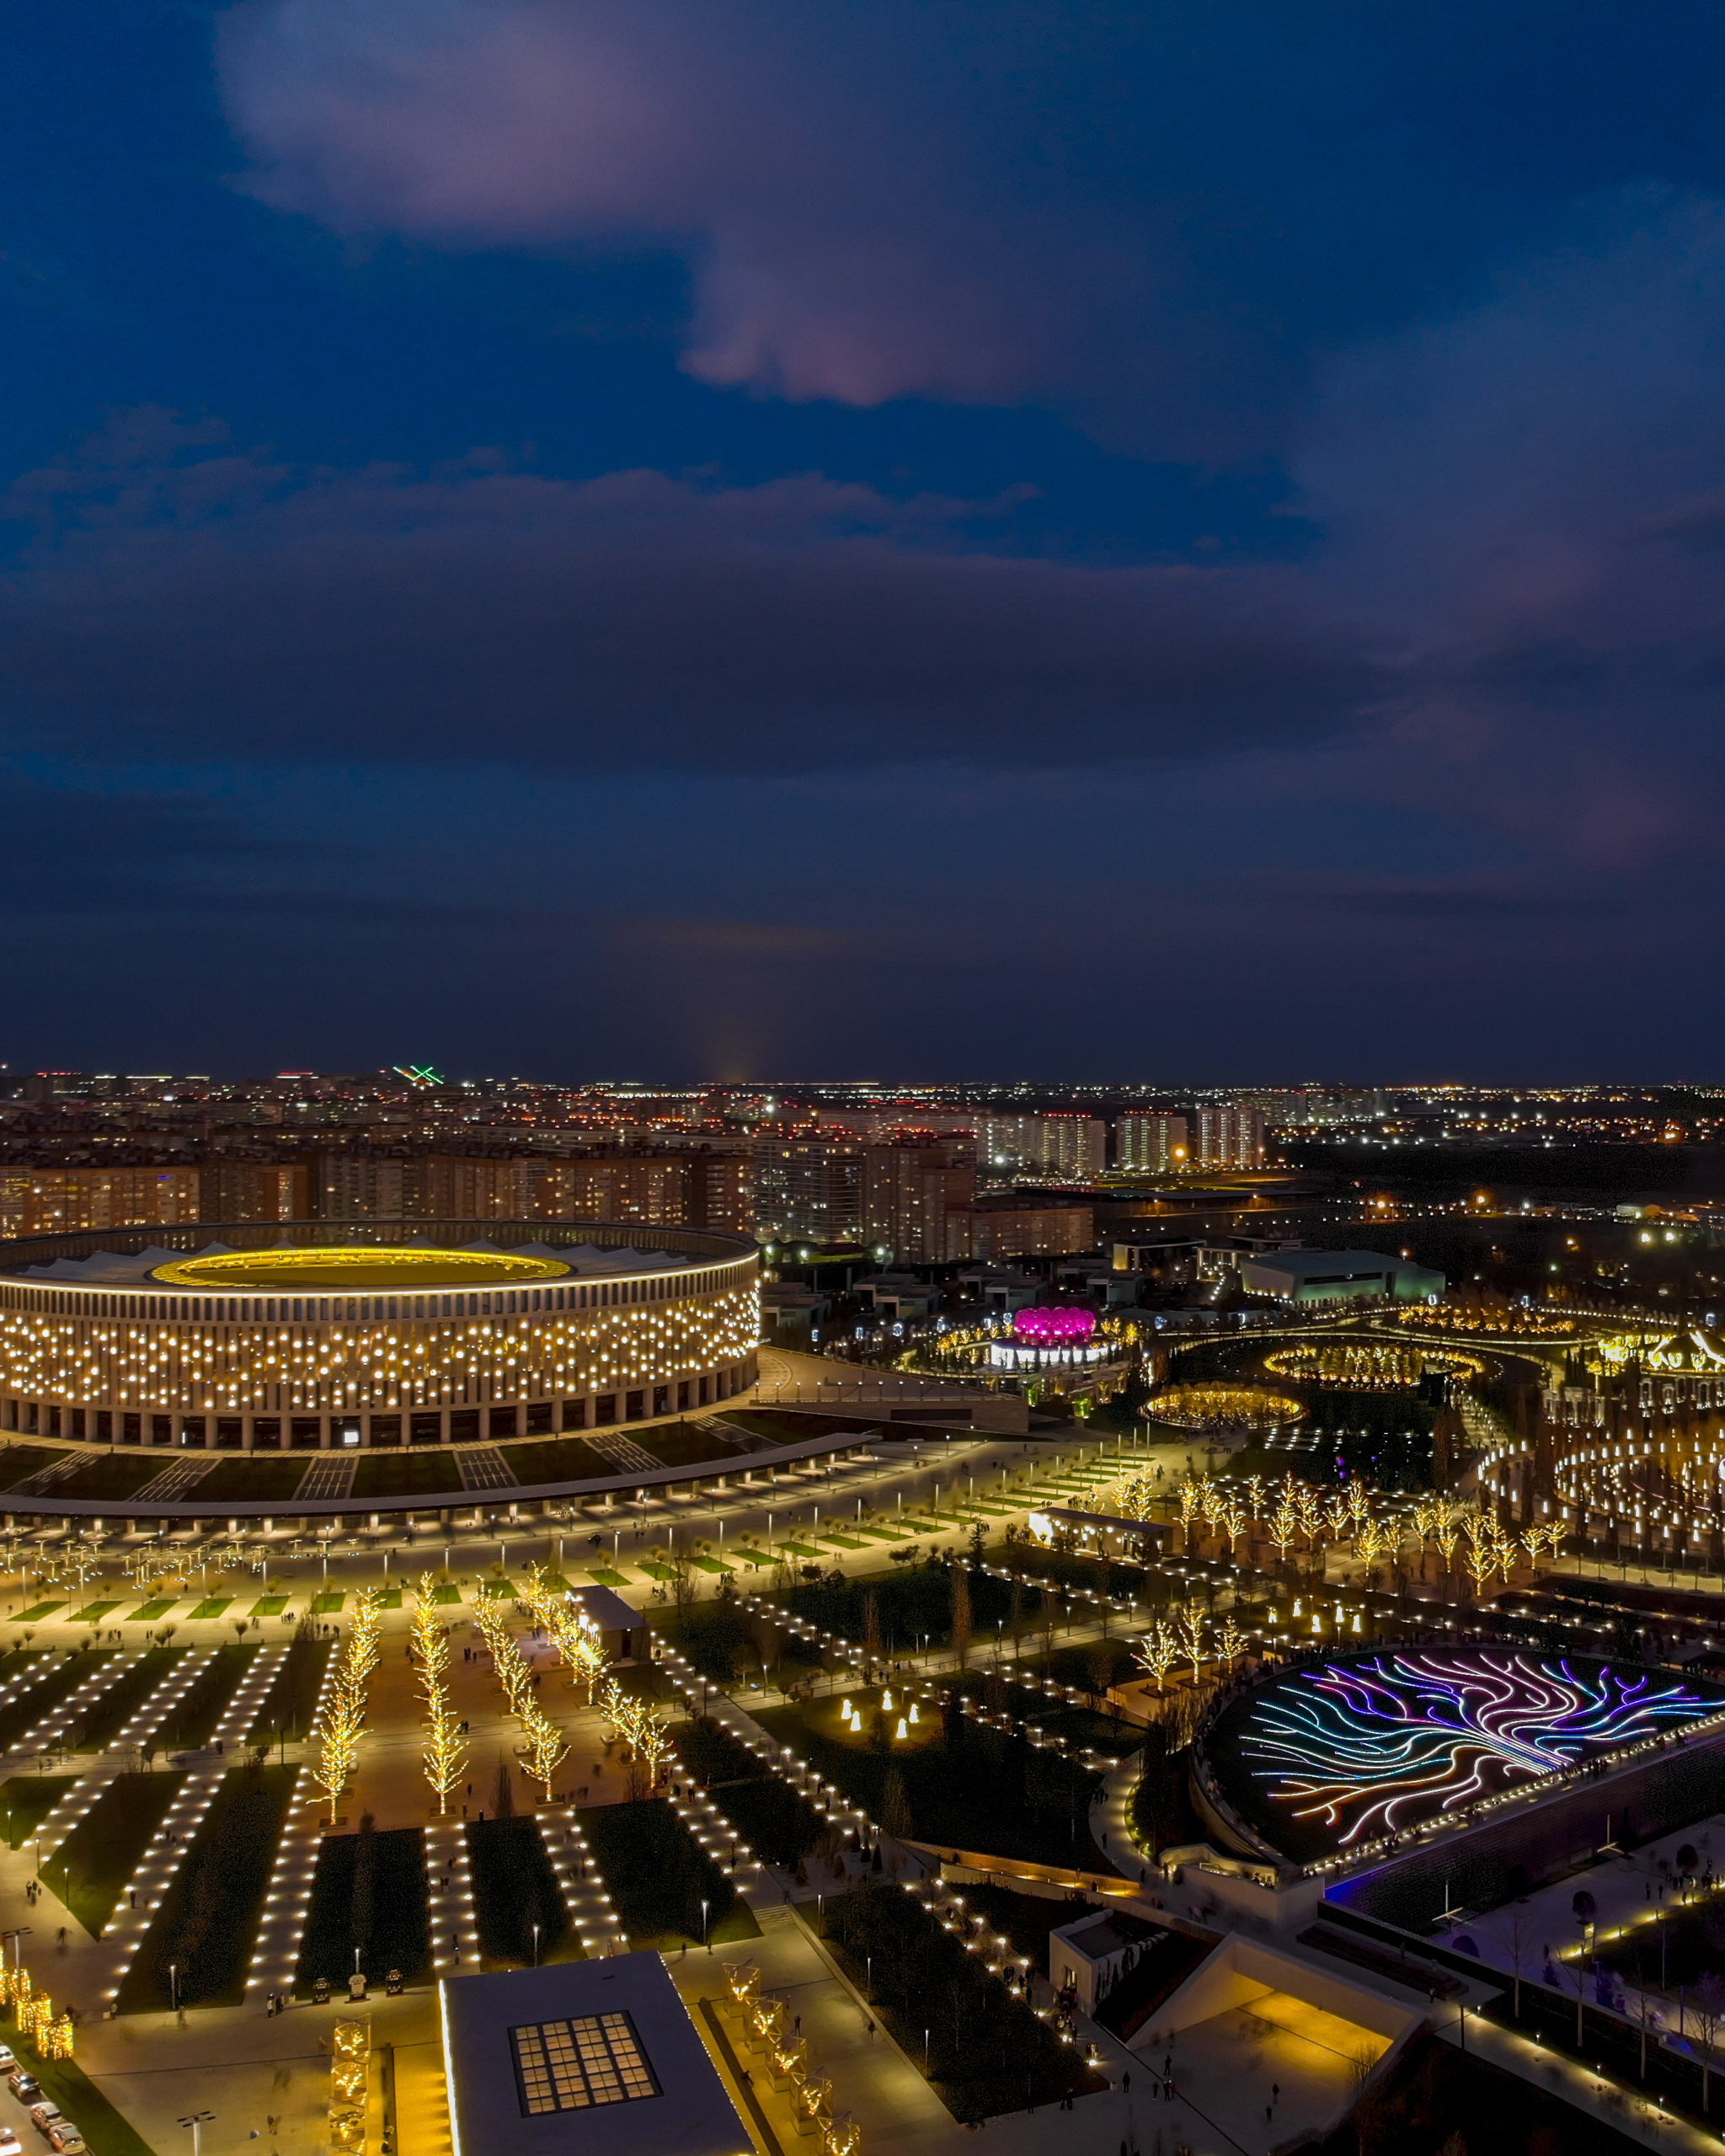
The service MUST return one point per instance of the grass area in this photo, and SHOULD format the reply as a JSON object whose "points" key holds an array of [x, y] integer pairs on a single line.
{"points": [[376, 1902], [213, 1607], [270, 1606], [92, 1612], [38, 1609], [64, 2081], [962, 1784], [391, 1598], [57, 1679], [28, 1799], [254, 1478], [150, 1612], [327, 1604], [987, 2052], [289, 1702], [19, 1462], [603, 1576], [515, 1888], [681, 1445], [192, 1723], [725, 1643], [94, 1863], [444, 1594], [768, 1814], [208, 1918], [657, 1875], [406, 1473], [564, 1459], [111, 1475], [110, 1713]]}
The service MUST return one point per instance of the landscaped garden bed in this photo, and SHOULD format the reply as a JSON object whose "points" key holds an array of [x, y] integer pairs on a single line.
{"points": [[109, 1715], [92, 1865], [192, 1724], [779, 1824], [558, 1459], [19, 1462], [956, 1783], [57, 1679], [658, 1875], [208, 1920], [514, 1889], [407, 1474], [288, 1705], [27, 1800], [986, 2051], [369, 1893], [112, 1474], [252, 1478]]}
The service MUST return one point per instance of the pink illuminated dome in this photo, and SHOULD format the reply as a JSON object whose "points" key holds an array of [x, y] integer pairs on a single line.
{"points": [[1052, 1327]]}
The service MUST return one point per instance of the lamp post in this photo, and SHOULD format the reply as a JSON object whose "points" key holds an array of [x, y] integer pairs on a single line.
{"points": [[705, 1940], [173, 2003], [197, 2121]]}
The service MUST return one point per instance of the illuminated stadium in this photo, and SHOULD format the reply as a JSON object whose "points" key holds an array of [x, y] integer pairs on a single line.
{"points": [[314, 1335], [1334, 1760]]}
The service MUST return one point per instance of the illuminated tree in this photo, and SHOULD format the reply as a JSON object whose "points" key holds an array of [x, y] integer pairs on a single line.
{"points": [[341, 1717], [1192, 1642], [1157, 1651], [1283, 1526], [445, 1755]]}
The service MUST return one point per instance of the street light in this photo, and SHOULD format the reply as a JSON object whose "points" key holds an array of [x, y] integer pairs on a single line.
{"points": [[705, 1941], [197, 2121]]}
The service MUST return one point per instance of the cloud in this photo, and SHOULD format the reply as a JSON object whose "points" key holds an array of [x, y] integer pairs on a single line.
{"points": [[217, 605]]}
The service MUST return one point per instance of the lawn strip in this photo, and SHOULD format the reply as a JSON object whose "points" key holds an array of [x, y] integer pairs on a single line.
{"points": [[988, 2053], [95, 1862], [515, 1888], [28, 1799], [192, 1723], [110, 1713], [208, 1919], [396, 1932], [657, 1875], [21, 1715], [287, 1706]]}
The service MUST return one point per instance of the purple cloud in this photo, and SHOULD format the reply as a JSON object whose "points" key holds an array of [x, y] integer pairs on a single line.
{"points": [[217, 604]]}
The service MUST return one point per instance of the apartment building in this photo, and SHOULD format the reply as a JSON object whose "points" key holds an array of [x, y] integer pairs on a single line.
{"points": [[1067, 1149], [1230, 1137], [909, 1190], [1152, 1144]]}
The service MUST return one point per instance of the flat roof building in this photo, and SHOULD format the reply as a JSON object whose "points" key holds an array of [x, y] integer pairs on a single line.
{"points": [[600, 2056], [1339, 1275]]}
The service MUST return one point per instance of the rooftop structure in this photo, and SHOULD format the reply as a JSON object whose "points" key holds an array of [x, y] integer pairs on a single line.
{"points": [[597, 2056]]}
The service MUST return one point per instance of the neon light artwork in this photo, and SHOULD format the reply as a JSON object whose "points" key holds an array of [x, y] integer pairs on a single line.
{"points": [[1371, 1747], [1052, 1327]]}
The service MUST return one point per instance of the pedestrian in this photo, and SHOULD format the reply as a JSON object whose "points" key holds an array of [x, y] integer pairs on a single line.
{"points": [[1126, 2082]]}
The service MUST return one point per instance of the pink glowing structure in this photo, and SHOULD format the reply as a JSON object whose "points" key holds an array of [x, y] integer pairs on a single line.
{"points": [[1052, 1327]]}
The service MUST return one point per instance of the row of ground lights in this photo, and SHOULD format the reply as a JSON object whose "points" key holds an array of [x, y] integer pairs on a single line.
{"points": [[90, 1788], [153, 1876], [289, 1894], [456, 1925], [584, 1895]]}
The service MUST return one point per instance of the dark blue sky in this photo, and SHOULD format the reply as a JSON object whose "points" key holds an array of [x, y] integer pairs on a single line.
{"points": [[664, 538]]}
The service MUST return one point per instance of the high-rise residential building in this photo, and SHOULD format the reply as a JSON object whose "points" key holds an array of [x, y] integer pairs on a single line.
{"points": [[1067, 1149], [1230, 1137], [809, 1189], [1152, 1145], [908, 1191], [57, 1201]]}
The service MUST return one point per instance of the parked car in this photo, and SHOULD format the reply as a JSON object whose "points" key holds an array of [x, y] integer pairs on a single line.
{"points": [[8, 2059], [44, 2115], [64, 2137], [25, 2085], [10, 2145]]}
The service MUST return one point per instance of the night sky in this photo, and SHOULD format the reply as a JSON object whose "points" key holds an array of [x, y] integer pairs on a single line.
{"points": [[661, 540]]}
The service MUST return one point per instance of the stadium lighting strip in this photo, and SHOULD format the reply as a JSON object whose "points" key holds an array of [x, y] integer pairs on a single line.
{"points": [[162, 1858], [1391, 1740], [90, 1788]]}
